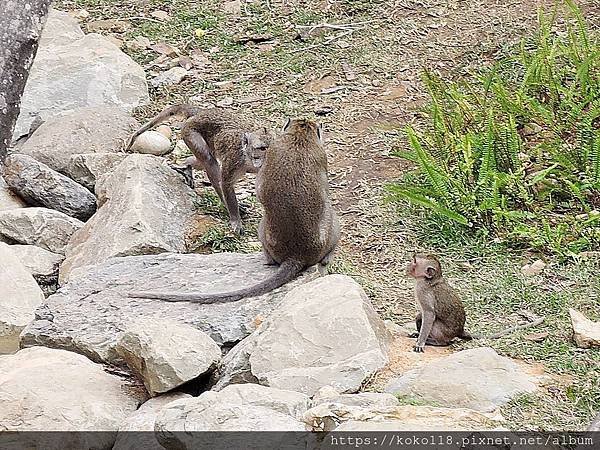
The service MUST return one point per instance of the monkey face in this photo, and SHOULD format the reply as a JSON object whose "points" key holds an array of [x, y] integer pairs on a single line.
{"points": [[426, 268], [255, 146]]}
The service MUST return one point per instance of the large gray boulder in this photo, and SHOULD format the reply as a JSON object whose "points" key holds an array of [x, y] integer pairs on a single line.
{"points": [[46, 228], [42, 264], [54, 390], [146, 208], [86, 168], [90, 313], [92, 130], [19, 297], [72, 70], [245, 407], [324, 333], [166, 353], [143, 419], [8, 199], [477, 378], [40, 185]]}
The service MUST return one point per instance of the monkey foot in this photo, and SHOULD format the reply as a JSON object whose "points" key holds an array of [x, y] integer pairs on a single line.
{"points": [[418, 349]]}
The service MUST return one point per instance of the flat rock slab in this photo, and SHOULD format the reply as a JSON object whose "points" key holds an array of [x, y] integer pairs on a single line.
{"points": [[477, 378], [40, 185], [89, 314], [73, 70], [46, 228], [87, 168]]}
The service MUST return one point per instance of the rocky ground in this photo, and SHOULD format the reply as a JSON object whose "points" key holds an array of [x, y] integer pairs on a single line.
{"points": [[78, 213]]}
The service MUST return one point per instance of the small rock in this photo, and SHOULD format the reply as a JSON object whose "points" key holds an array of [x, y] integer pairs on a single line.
{"points": [[492, 380], [44, 389], [43, 227], [19, 297], [86, 168], [8, 199], [165, 130], [166, 353], [161, 15], [152, 143], [170, 77], [80, 131], [348, 72], [585, 332], [225, 102], [339, 340], [40, 185], [42, 264], [533, 269], [146, 208], [143, 420]]}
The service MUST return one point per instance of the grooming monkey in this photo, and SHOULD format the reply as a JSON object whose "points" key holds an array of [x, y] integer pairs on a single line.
{"points": [[442, 317], [299, 227], [224, 146]]}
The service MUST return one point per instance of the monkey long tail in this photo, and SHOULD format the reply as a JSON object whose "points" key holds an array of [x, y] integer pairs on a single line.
{"points": [[534, 323], [185, 110], [288, 270]]}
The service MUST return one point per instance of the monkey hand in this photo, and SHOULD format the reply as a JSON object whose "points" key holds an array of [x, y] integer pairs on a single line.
{"points": [[414, 335], [419, 348]]}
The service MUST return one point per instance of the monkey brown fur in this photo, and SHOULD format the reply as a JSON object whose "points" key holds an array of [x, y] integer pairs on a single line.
{"points": [[442, 316], [223, 145], [299, 228]]}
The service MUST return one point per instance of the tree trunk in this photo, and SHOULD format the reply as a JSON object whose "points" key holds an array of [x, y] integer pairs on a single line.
{"points": [[21, 24]]}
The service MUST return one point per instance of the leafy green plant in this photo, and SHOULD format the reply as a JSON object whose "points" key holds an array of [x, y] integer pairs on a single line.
{"points": [[515, 149]]}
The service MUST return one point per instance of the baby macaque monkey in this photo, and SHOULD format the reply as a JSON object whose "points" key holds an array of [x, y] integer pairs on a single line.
{"points": [[223, 145], [442, 314]]}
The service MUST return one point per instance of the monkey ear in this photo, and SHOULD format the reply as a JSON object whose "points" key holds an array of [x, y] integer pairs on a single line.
{"points": [[287, 124], [430, 272]]}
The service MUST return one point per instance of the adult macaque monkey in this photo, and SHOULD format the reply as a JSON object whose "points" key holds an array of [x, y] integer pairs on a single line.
{"points": [[299, 227], [442, 314], [223, 145]]}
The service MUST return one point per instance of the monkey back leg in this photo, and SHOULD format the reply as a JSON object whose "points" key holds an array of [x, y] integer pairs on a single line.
{"points": [[203, 158], [230, 176], [269, 261]]}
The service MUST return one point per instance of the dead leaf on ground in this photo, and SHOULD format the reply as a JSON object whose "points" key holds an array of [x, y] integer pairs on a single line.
{"points": [[118, 26], [348, 72], [161, 15], [139, 43], [185, 62], [165, 49], [537, 337], [317, 86], [394, 93]]}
